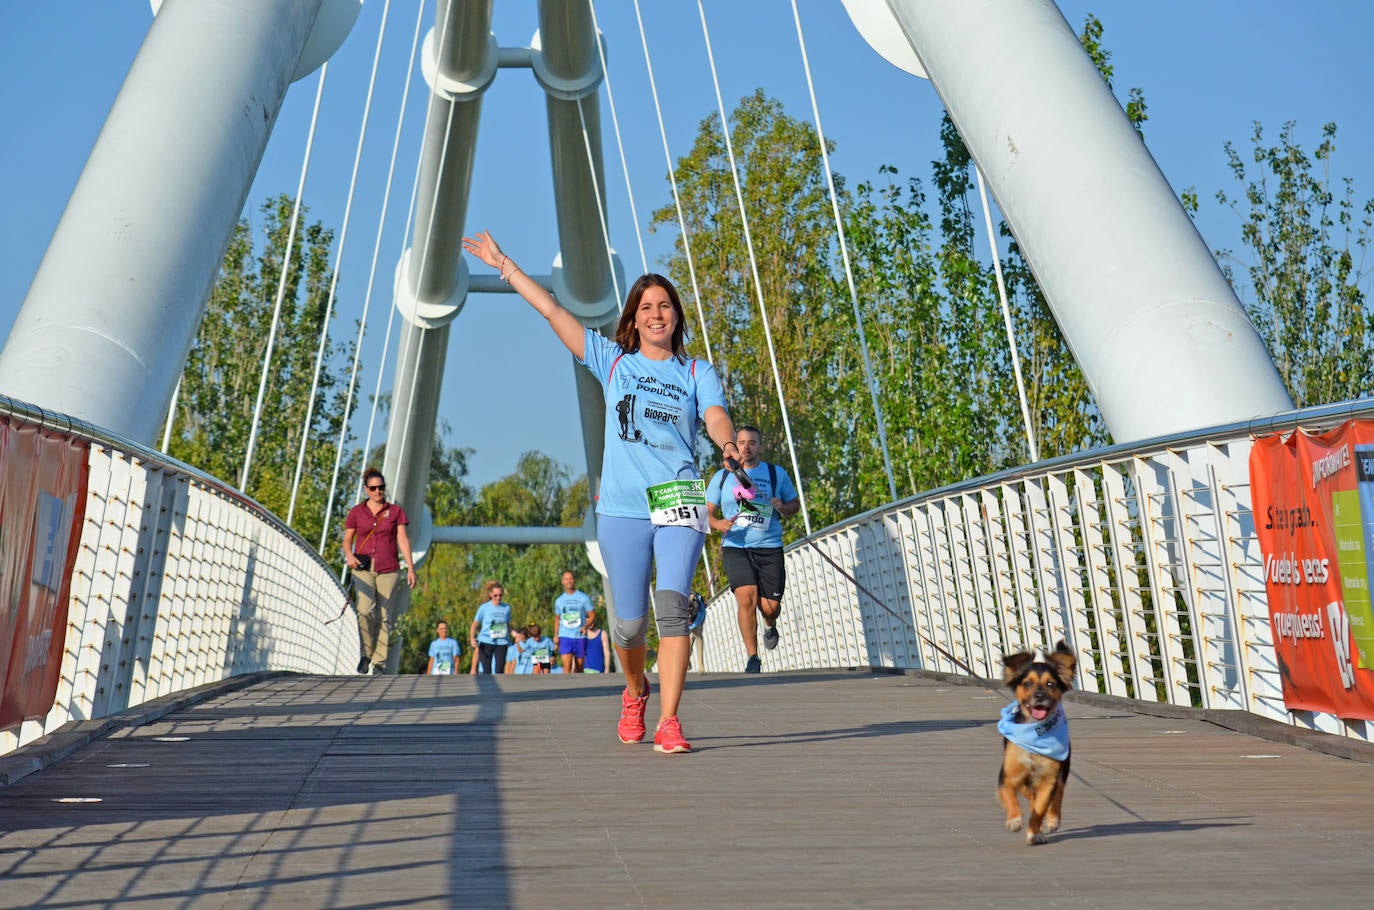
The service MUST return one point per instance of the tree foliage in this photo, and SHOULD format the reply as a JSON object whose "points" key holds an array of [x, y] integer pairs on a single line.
{"points": [[1304, 238], [219, 387], [540, 493], [927, 298], [786, 202]]}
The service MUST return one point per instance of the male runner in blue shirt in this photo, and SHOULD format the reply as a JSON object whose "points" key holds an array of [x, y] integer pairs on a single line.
{"points": [[752, 548], [570, 612]]}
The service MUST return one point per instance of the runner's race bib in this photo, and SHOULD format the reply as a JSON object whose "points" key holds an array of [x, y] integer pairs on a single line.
{"points": [[680, 504], [443, 668], [572, 620], [496, 630], [754, 514]]}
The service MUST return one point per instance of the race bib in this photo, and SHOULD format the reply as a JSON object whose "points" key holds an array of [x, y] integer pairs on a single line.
{"points": [[443, 668], [679, 503], [572, 620], [496, 630], [754, 514]]}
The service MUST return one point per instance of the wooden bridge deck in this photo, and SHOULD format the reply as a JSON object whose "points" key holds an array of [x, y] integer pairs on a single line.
{"points": [[806, 790]]}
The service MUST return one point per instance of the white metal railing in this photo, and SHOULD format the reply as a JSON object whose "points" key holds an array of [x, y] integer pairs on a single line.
{"points": [[1143, 557], [181, 580]]}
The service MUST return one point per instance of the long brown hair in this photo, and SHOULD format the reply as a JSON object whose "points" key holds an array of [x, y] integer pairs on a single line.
{"points": [[625, 333]]}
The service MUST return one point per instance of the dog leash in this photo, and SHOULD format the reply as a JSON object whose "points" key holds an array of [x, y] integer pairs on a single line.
{"points": [[347, 604], [905, 620]]}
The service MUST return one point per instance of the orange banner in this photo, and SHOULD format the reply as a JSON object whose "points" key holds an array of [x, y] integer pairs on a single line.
{"points": [[43, 477], [1313, 499]]}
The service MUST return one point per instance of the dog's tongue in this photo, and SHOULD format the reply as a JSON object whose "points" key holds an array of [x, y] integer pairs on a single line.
{"points": [[1039, 712]]}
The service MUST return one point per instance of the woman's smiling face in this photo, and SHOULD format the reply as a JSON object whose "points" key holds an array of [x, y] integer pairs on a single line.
{"points": [[656, 318]]}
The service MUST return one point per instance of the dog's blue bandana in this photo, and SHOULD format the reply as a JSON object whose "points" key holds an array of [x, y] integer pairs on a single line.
{"points": [[1048, 737]]}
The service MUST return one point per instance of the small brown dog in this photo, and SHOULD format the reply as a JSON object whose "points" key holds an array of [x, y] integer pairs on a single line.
{"points": [[1035, 739]]}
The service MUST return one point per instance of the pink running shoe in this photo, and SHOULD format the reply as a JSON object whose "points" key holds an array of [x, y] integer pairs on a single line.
{"points": [[668, 737], [631, 728]]}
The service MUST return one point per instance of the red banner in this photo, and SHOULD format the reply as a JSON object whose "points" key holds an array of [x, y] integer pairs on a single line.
{"points": [[1313, 499], [43, 478]]}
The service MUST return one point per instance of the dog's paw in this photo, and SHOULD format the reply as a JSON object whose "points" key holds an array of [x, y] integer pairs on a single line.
{"points": [[1035, 837], [1051, 824], [1014, 824]]}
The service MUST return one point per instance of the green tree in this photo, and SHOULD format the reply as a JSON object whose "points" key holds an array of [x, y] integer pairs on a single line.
{"points": [[793, 233], [927, 298], [1305, 239], [219, 387], [540, 493]]}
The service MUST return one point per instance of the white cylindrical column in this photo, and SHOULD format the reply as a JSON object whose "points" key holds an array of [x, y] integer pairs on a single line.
{"points": [[568, 67], [116, 302], [1163, 341], [431, 279]]}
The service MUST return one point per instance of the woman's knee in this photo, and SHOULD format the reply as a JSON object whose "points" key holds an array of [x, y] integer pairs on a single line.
{"points": [[631, 633], [673, 610]]}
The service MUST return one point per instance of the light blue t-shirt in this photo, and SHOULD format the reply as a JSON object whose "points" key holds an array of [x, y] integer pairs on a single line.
{"points": [[653, 408], [493, 623], [570, 612], [540, 650], [760, 532], [445, 652], [524, 660]]}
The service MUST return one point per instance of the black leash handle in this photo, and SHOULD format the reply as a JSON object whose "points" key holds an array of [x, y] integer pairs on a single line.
{"points": [[741, 475]]}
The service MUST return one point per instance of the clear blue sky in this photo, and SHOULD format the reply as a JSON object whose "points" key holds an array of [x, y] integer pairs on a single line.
{"points": [[1208, 69]]}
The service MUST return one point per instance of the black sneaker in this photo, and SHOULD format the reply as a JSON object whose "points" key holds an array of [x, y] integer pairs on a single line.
{"points": [[379, 669], [364, 665], [770, 638], [753, 665]]}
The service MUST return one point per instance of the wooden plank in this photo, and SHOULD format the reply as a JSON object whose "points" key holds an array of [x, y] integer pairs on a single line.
{"points": [[806, 790]]}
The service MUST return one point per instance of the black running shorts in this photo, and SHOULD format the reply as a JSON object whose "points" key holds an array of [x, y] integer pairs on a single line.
{"points": [[760, 567]]}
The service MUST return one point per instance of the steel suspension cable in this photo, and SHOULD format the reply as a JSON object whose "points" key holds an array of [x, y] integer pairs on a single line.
{"points": [[171, 415], [371, 281], [672, 181], [281, 284], [615, 122], [338, 264], [1006, 317], [844, 255], [754, 270]]}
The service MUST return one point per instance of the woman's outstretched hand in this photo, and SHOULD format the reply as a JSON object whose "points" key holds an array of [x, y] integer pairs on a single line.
{"points": [[564, 323], [484, 248]]}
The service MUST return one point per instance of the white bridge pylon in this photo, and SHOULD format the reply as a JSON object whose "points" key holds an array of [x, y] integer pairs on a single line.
{"points": [[1161, 338], [462, 58]]}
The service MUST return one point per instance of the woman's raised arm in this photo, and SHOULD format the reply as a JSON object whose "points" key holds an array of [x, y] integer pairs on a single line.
{"points": [[565, 325]]}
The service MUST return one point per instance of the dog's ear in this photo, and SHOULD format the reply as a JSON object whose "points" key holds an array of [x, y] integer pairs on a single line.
{"points": [[1064, 661], [1013, 665]]}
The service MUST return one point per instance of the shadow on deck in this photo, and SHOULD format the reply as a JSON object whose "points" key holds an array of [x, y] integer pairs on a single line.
{"points": [[804, 790]]}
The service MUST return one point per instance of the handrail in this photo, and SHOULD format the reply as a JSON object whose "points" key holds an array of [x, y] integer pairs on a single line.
{"points": [[1142, 555], [177, 580], [81, 429]]}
